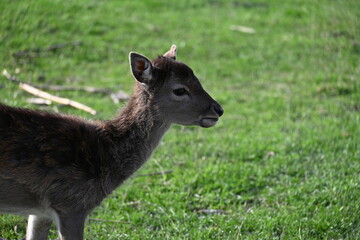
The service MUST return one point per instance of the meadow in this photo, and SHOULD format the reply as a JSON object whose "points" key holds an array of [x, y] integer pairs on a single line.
{"points": [[284, 160]]}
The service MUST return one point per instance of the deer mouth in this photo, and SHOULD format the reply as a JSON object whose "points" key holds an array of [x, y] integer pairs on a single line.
{"points": [[208, 122]]}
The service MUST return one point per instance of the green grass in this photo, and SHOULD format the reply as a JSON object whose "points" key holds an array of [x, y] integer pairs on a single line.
{"points": [[283, 162]]}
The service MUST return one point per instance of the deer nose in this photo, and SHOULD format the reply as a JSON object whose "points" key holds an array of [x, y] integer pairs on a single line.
{"points": [[218, 109]]}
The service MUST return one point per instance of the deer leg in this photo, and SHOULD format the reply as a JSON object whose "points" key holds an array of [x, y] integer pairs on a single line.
{"points": [[37, 228], [71, 227]]}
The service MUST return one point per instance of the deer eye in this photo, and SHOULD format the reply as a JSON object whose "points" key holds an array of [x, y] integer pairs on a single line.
{"points": [[180, 92]]}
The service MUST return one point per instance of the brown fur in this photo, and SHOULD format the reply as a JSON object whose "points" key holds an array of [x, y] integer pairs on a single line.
{"points": [[69, 164]]}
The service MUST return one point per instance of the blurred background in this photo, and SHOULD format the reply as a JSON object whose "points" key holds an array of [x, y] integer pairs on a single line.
{"points": [[284, 160]]}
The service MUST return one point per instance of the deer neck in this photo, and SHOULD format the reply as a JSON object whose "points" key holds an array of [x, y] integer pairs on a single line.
{"points": [[140, 120], [136, 132]]}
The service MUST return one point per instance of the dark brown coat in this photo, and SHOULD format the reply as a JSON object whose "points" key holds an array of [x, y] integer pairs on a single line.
{"points": [[59, 167]]}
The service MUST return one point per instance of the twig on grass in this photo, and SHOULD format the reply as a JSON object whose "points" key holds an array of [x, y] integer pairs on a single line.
{"points": [[10, 77], [70, 88], [242, 29], [38, 101], [119, 96], [65, 101], [103, 220], [35, 52], [155, 173], [212, 211], [131, 203], [37, 92], [116, 97]]}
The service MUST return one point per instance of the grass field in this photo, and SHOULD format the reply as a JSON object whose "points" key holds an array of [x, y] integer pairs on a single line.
{"points": [[283, 162]]}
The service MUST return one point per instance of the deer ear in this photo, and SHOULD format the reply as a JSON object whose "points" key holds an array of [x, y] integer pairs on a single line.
{"points": [[141, 67], [171, 53]]}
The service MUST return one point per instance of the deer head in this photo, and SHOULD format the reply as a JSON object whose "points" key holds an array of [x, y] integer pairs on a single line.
{"points": [[174, 89]]}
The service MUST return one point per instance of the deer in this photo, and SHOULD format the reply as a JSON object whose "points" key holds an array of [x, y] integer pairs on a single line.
{"points": [[56, 168]]}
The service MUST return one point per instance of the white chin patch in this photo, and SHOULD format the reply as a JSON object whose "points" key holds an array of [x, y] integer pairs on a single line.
{"points": [[208, 122]]}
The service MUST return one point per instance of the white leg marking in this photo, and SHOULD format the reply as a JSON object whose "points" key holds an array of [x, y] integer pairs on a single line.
{"points": [[30, 227]]}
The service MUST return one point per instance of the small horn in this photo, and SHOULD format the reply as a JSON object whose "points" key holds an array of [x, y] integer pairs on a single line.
{"points": [[171, 53]]}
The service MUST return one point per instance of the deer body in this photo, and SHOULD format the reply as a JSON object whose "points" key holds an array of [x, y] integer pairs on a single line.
{"points": [[58, 168]]}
